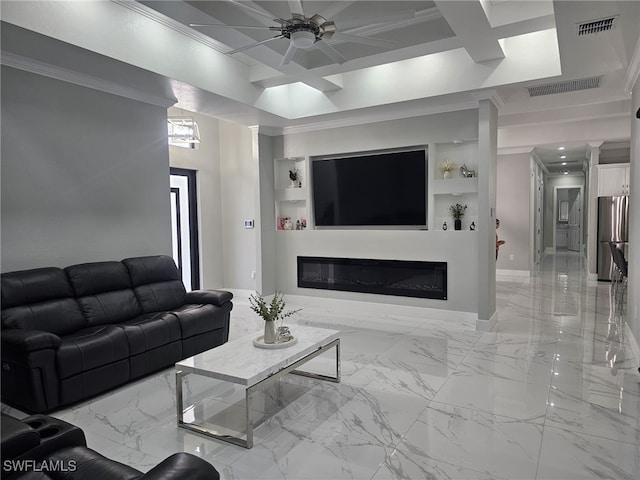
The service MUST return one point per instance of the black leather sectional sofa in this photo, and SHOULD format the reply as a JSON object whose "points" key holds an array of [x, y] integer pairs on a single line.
{"points": [[69, 334], [46, 448]]}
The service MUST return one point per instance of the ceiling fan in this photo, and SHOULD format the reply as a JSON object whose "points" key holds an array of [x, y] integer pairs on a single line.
{"points": [[306, 32]]}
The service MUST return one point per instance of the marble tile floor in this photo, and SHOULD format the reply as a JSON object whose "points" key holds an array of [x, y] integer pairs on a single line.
{"points": [[552, 393]]}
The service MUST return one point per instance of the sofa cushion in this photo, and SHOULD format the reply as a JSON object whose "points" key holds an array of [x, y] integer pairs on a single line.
{"points": [[151, 330], [40, 299], [104, 292], [90, 348], [156, 282], [197, 319]]}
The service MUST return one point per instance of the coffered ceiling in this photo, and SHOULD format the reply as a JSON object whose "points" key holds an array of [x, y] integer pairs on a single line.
{"points": [[417, 57]]}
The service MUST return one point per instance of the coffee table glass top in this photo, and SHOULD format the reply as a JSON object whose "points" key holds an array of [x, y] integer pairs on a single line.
{"points": [[239, 361]]}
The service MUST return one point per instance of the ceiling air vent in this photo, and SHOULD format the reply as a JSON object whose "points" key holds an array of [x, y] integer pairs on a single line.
{"points": [[595, 26], [563, 87]]}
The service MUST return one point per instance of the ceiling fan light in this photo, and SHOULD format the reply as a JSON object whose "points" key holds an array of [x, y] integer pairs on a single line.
{"points": [[303, 39]]}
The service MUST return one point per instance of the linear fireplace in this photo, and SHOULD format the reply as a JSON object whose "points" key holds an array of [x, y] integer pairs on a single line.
{"points": [[386, 277]]}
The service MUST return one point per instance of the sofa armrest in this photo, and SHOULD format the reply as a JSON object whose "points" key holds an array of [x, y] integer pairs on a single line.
{"points": [[182, 466], [17, 438], [27, 341], [213, 297]]}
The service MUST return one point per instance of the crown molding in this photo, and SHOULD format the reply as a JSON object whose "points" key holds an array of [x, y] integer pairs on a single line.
{"points": [[171, 23], [58, 73], [515, 150], [492, 95], [396, 114], [539, 162], [633, 72]]}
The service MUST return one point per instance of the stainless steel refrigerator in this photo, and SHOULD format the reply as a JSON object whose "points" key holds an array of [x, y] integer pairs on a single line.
{"points": [[613, 214]]}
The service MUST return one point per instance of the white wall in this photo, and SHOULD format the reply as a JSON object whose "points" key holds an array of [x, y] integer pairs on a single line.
{"points": [[85, 175], [239, 191], [633, 303], [459, 249], [513, 208], [205, 159]]}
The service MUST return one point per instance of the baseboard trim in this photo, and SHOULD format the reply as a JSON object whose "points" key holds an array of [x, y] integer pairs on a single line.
{"points": [[633, 342], [487, 325], [513, 273]]}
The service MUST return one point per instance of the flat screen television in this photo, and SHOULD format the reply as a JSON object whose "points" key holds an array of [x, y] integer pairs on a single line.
{"points": [[375, 190]]}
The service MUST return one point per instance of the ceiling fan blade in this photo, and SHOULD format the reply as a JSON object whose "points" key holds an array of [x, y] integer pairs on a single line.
{"points": [[330, 52], [288, 55], [376, 42], [343, 25], [217, 25], [256, 12], [296, 7], [335, 8], [251, 45]]}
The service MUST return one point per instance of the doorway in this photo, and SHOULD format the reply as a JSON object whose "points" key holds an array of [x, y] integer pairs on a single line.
{"points": [[568, 216], [184, 226]]}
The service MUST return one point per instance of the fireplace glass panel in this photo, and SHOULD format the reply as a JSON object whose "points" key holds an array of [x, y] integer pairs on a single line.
{"points": [[385, 277]]}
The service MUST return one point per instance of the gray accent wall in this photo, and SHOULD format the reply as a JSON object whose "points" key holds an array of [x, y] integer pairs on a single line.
{"points": [[85, 174]]}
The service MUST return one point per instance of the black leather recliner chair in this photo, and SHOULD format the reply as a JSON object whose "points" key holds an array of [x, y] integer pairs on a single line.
{"points": [[45, 448], [70, 334]]}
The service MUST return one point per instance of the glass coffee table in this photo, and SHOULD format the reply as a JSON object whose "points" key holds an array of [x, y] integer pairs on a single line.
{"points": [[241, 362]]}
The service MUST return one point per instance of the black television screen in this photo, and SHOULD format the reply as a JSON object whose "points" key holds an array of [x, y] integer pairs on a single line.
{"points": [[385, 189]]}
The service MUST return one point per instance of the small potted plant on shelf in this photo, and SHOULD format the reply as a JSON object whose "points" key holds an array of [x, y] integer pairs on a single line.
{"points": [[457, 212], [294, 178], [271, 312], [447, 166]]}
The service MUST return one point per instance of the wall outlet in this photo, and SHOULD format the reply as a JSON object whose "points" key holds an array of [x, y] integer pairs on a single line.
{"points": [[253, 274], [512, 257], [248, 224]]}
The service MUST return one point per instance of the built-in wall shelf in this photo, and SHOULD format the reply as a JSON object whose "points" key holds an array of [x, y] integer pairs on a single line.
{"points": [[454, 186], [291, 194], [444, 192], [291, 202]]}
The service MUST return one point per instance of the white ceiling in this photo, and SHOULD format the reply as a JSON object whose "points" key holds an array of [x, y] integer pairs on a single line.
{"points": [[445, 55]]}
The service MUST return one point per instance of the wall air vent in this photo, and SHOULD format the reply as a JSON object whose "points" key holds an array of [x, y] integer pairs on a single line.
{"points": [[563, 87], [595, 26]]}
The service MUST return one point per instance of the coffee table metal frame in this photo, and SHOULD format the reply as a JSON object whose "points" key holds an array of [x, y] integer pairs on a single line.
{"points": [[248, 442]]}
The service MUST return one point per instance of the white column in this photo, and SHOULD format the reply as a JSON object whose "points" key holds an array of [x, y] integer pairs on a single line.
{"points": [[265, 209], [633, 286], [487, 159]]}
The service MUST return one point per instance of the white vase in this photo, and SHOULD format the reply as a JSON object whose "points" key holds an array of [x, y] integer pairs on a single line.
{"points": [[269, 332], [446, 174]]}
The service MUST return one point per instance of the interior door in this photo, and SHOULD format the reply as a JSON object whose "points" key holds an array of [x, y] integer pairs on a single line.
{"points": [[575, 220]]}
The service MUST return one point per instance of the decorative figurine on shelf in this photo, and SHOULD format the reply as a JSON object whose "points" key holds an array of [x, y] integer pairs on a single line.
{"points": [[444, 226], [466, 173], [294, 178], [298, 225], [288, 224], [472, 227], [457, 212], [447, 166], [303, 223]]}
